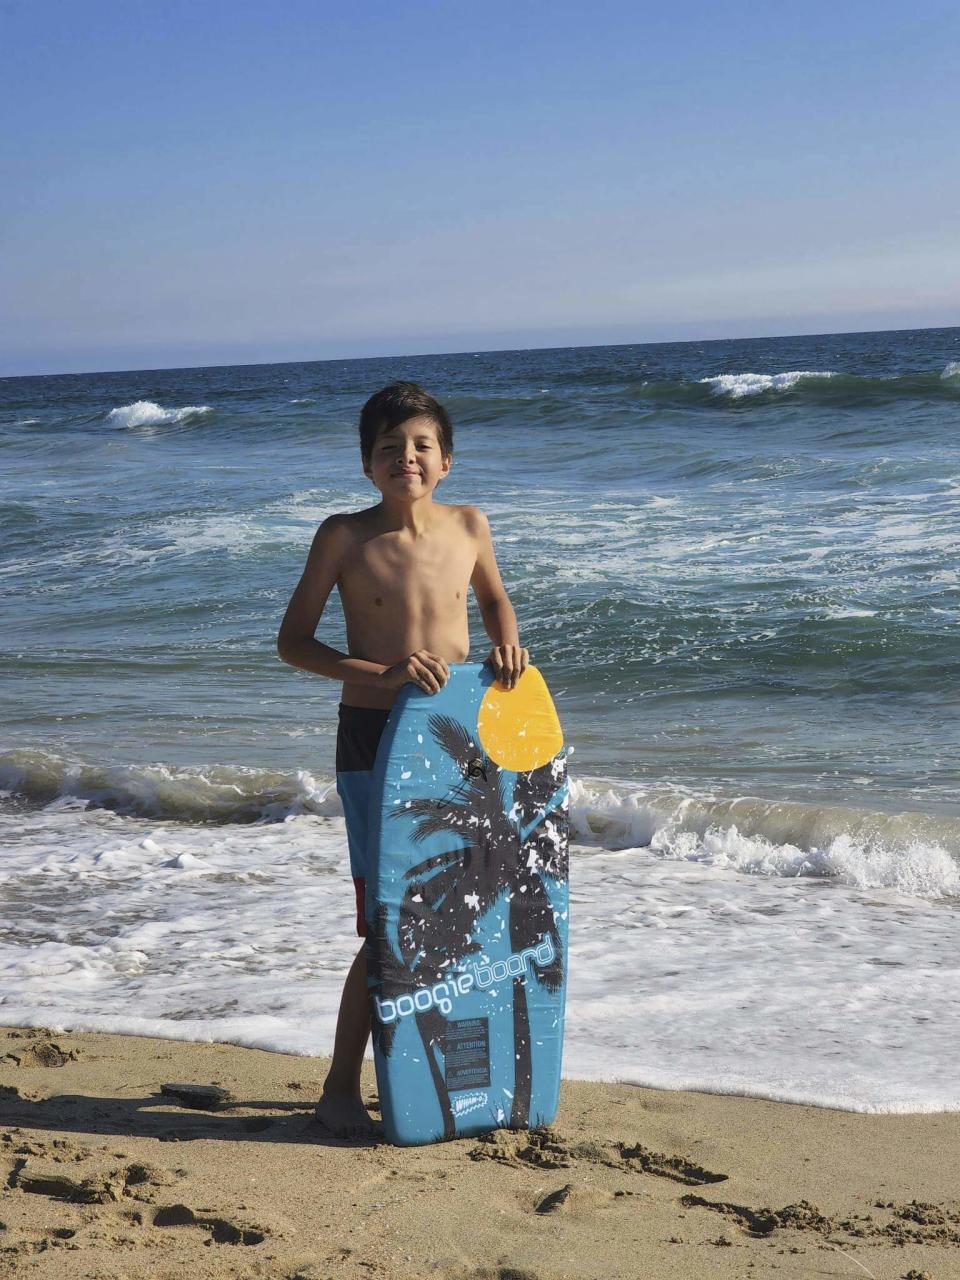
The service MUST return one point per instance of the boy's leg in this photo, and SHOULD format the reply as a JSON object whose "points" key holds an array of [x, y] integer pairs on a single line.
{"points": [[353, 1032], [341, 1108]]}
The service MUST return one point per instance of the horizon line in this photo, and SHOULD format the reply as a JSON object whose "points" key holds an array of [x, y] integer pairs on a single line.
{"points": [[577, 346]]}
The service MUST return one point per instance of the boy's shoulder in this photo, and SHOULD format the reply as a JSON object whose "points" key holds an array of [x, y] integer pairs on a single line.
{"points": [[344, 524], [470, 520], [474, 520]]}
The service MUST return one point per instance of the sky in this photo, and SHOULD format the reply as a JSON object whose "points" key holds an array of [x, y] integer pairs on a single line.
{"points": [[234, 182]]}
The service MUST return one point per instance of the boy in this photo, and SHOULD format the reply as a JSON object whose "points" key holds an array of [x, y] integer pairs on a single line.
{"points": [[402, 568]]}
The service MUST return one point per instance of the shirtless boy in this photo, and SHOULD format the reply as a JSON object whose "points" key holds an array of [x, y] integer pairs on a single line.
{"points": [[402, 568]]}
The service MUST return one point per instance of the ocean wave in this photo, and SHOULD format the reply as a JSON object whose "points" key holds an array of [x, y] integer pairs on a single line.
{"points": [[144, 413], [742, 391], [912, 853], [211, 794], [738, 385], [492, 407], [807, 386]]}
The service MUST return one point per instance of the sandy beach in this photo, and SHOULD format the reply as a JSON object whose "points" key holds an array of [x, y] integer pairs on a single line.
{"points": [[108, 1178]]}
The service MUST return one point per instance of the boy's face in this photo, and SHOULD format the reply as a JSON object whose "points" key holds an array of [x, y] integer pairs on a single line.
{"points": [[407, 461]]}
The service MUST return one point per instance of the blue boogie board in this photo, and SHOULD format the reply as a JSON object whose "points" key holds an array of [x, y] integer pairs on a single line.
{"points": [[467, 908]]}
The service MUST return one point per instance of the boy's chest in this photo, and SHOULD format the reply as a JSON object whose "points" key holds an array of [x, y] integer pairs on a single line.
{"points": [[395, 567]]}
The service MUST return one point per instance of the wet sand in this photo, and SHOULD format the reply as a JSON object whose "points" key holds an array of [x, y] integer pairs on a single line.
{"points": [[107, 1178]]}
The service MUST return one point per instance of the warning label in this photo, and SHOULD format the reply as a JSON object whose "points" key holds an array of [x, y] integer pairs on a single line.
{"points": [[466, 1054]]}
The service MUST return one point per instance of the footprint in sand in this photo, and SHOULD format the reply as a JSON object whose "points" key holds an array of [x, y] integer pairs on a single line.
{"points": [[913, 1223], [106, 1186], [61, 1186], [677, 1168], [555, 1201], [546, 1148], [222, 1230], [541, 1148], [496, 1273], [43, 1053]]}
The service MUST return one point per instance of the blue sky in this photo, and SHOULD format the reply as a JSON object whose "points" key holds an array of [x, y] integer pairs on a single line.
{"points": [[212, 183]]}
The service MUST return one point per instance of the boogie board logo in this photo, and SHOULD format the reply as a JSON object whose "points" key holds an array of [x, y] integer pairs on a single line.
{"points": [[442, 994], [469, 1102]]}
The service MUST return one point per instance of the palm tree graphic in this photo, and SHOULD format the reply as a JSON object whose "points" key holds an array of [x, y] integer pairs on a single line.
{"points": [[504, 845], [389, 977]]}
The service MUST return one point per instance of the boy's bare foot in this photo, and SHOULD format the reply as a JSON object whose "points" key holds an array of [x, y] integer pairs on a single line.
{"points": [[346, 1117]]}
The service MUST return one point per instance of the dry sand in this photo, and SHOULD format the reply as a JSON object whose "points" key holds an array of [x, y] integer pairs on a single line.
{"points": [[103, 1176]]}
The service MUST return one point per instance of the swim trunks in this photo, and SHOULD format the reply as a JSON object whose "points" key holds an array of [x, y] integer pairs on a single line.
{"points": [[358, 736]]}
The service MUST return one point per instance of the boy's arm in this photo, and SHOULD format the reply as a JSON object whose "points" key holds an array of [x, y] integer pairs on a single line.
{"points": [[295, 642], [508, 658]]}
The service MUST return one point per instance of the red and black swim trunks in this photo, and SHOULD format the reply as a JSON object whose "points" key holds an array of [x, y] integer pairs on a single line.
{"points": [[358, 736]]}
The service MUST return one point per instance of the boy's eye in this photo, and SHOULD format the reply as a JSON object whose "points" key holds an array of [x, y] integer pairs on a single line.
{"points": [[389, 446]]}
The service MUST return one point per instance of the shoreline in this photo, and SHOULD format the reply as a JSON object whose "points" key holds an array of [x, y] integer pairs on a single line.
{"points": [[60, 1028], [105, 1178]]}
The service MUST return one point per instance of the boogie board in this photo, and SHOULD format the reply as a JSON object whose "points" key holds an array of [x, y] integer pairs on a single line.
{"points": [[467, 908]]}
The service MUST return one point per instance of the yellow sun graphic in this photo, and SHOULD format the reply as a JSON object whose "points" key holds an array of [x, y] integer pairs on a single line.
{"points": [[518, 728]]}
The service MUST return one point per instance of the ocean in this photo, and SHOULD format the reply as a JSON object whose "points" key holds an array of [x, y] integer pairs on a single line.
{"points": [[736, 563]]}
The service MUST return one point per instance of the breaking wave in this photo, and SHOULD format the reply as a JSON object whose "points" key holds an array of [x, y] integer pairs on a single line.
{"points": [[144, 413], [911, 853]]}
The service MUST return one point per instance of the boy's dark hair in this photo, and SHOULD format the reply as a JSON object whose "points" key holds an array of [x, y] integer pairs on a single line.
{"points": [[395, 404]]}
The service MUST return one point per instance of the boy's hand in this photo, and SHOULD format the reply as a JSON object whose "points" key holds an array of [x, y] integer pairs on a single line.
{"points": [[509, 662], [423, 668]]}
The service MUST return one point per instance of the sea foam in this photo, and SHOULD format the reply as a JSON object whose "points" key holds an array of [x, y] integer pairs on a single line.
{"points": [[144, 413], [683, 974], [915, 854], [738, 385]]}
